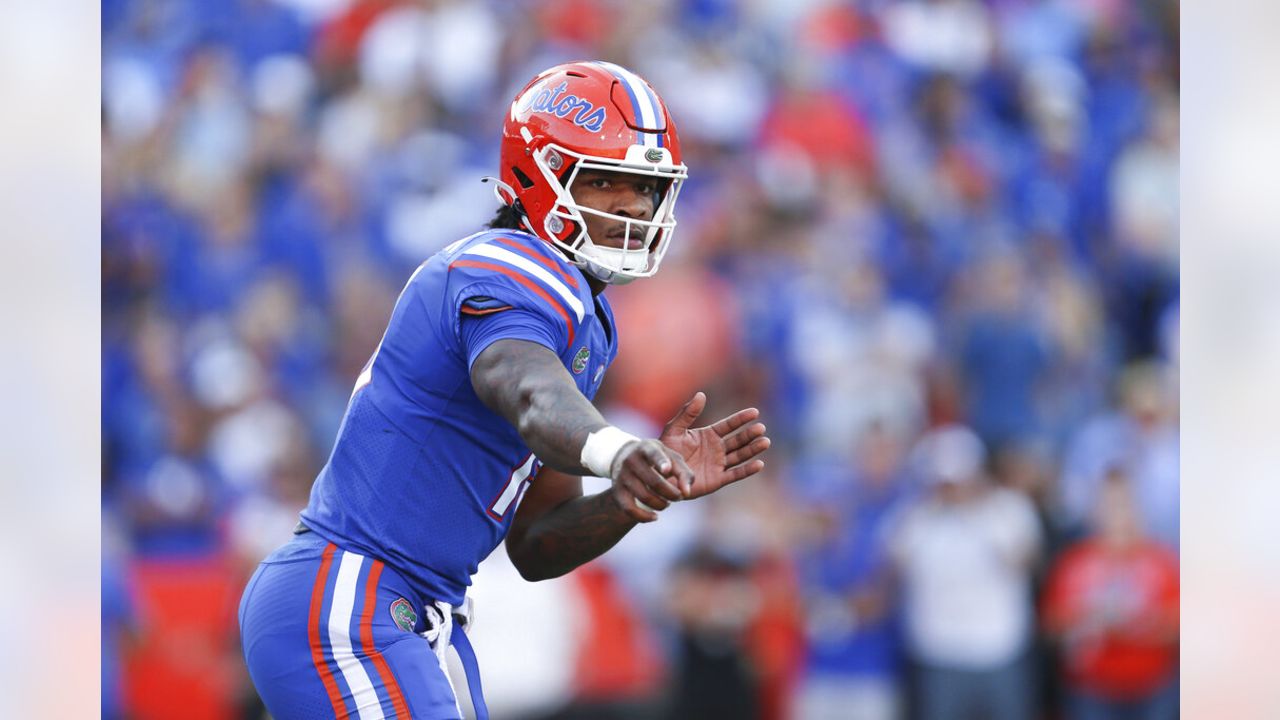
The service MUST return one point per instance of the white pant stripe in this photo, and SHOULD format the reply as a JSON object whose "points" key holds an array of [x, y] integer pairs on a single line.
{"points": [[344, 600]]}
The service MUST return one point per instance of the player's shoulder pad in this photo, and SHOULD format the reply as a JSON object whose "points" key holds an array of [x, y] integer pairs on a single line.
{"points": [[497, 263]]}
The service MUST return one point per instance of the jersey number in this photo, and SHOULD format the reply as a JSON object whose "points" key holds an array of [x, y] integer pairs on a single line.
{"points": [[511, 491]]}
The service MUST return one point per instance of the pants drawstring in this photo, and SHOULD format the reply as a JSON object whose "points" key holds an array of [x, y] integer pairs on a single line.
{"points": [[441, 633]]}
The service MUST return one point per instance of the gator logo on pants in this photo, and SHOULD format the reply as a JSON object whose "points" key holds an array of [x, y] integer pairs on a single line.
{"points": [[403, 615]]}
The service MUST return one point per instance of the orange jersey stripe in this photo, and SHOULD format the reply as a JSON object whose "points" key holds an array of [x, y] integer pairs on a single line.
{"points": [[366, 642], [523, 281], [313, 634], [546, 262]]}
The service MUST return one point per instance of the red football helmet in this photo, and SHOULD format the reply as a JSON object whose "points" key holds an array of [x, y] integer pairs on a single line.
{"points": [[596, 116]]}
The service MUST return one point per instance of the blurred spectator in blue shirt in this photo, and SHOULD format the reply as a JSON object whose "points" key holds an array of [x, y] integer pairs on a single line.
{"points": [[1002, 356], [1140, 439], [854, 658]]}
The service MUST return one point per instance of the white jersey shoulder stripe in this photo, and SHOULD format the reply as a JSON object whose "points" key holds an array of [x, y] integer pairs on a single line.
{"points": [[534, 269]]}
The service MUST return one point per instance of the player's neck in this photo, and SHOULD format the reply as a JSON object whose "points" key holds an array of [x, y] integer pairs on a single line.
{"points": [[597, 286]]}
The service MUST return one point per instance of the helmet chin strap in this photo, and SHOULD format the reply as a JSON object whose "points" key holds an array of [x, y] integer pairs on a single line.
{"points": [[499, 188], [609, 264], [609, 277], [616, 257]]}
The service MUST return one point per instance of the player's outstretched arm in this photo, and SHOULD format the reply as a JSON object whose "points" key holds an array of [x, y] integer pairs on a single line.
{"points": [[525, 383]]}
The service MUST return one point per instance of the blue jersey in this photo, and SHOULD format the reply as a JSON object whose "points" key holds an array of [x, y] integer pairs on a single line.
{"points": [[423, 475]]}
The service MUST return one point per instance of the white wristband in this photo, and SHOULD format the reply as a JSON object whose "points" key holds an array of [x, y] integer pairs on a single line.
{"points": [[601, 448]]}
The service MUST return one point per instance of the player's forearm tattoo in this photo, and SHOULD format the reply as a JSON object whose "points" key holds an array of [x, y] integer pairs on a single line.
{"points": [[571, 535], [526, 384]]}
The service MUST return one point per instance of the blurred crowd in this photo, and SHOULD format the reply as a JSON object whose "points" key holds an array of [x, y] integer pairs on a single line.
{"points": [[935, 241]]}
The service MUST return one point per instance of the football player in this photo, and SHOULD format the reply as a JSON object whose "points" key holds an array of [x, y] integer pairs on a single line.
{"points": [[479, 395]]}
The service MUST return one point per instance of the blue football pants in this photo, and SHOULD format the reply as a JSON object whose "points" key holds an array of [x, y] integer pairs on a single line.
{"points": [[328, 633]]}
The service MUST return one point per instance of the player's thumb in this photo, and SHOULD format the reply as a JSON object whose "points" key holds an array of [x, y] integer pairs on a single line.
{"points": [[686, 416]]}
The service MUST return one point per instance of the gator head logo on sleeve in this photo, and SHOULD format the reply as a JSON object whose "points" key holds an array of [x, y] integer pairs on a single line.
{"points": [[403, 615], [580, 360]]}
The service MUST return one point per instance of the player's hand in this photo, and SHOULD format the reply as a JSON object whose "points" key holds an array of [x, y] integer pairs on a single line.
{"points": [[723, 452], [647, 477]]}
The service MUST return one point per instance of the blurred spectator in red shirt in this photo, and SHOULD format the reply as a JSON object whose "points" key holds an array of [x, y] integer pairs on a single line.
{"points": [[821, 125], [1112, 601]]}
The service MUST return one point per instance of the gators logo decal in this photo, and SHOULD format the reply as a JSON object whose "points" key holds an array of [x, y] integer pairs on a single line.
{"points": [[403, 615], [554, 101], [580, 360]]}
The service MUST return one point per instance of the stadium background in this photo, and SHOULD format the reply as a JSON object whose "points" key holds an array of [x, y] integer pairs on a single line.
{"points": [[901, 215]]}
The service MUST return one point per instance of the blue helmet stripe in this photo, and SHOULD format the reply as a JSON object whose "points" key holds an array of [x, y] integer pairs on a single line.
{"points": [[643, 103]]}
